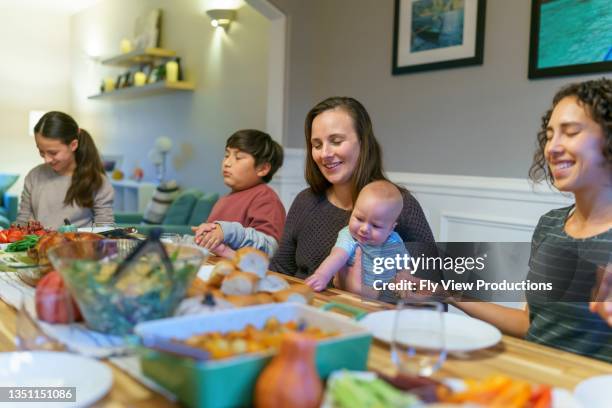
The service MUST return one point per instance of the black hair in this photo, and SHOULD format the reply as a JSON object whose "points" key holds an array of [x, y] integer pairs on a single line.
{"points": [[261, 146]]}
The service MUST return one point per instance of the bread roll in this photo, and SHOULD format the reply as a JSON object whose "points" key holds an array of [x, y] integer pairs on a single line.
{"points": [[264, 298], [220, 271], [291, 295], [239, 283], [272, 283], [242, 300], [252, 260], [303, 290], [198, 287]]}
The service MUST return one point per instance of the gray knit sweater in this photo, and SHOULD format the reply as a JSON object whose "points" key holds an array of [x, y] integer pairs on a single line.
{"points": [[43, 196], [313, 224]]}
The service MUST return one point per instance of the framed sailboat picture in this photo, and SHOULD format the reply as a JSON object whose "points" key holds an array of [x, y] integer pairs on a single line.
{"points": [[437, 34], [570, 37]]}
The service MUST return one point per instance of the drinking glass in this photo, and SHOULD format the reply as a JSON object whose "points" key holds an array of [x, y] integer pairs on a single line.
{"points": [[102, 226], [29, 335], [418, 345], [170, 238]]}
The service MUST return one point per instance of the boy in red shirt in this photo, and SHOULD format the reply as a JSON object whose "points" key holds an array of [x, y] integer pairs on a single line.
{"points": [[251, 214]]}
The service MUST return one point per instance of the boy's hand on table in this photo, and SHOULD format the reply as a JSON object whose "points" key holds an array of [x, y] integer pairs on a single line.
{"points": [[203, 229], [209, 235]]}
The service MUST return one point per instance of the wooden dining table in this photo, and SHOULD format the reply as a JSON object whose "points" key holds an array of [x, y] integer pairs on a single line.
{"points": [[513, 357]]}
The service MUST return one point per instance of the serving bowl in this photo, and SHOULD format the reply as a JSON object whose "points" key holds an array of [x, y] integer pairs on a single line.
{"points": [[146, 289], [26, 268]]}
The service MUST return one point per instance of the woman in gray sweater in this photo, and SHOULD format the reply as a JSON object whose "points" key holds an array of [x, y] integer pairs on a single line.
{"points": [[71, 184], [342, 157]]}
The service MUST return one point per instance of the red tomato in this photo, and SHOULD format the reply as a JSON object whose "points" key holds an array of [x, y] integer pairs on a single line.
{"points": [[15, 235], [52, 299], [40, 232]]}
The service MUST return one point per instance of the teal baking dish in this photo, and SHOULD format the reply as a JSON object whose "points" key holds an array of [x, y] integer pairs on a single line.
{"points": [[230, 382]]}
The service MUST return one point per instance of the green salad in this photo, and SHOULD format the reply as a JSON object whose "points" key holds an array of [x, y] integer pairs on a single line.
{"points": [[144, 292]]}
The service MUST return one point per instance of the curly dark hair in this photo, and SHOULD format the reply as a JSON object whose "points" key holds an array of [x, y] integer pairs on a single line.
{"points": [[596, 98]]}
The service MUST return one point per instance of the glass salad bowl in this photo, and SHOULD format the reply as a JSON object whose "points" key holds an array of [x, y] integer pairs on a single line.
{"points": [[112, 299]]}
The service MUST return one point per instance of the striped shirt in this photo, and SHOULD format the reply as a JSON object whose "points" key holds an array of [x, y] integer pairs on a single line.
{"points": [[561, 318]]}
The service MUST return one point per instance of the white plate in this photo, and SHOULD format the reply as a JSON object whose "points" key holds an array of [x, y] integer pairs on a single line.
{"points": [[13, 260], [595, 392], [95, 230], [462, 333], [56, 369]]}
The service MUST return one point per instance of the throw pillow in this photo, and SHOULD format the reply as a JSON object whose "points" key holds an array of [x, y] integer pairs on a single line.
{"points": [[6, 181], [4, 222], [202, 208], [180, 210], [162, 198]]}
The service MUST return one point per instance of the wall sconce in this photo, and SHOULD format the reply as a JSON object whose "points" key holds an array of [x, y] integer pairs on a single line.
{"points": [[221, 17]]}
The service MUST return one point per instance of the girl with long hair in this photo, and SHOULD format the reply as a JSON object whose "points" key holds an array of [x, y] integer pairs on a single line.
{"points": [[71, 184]]}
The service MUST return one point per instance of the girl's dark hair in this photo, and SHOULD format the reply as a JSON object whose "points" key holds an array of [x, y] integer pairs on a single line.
{"points": [[261, 146], [88, 175], [596, 98], [369, 164]]}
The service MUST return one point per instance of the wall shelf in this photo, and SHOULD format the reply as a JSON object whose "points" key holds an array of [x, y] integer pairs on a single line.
{"points": [[160, 87], [136, 57]]}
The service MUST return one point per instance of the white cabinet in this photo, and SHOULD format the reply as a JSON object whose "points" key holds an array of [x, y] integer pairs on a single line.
{"points": [[132, 196]]}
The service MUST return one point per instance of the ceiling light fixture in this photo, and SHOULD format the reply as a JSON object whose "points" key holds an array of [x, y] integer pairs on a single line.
{"points": [[221, 17]]}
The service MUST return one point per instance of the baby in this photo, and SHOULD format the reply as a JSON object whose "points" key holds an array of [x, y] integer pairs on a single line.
{"points": [[370, 227]]}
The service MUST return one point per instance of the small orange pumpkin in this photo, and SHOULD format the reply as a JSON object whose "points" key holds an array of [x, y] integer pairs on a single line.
{"points": [[291, 378], [51, 305]]}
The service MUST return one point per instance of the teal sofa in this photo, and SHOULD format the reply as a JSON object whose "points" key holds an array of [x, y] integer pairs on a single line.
{"points": [[9, 203], [190, 208]]}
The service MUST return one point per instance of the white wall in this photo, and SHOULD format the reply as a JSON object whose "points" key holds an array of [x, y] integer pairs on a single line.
{"points": [[230, 71], [34, 75]]}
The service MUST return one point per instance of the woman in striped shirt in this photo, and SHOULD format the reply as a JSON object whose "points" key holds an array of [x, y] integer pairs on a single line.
{"points": [[572, 246]]}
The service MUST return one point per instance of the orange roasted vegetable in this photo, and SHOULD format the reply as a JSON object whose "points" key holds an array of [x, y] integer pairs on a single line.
{"points": [[501, 392], [514, 396], [541, 397]]}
